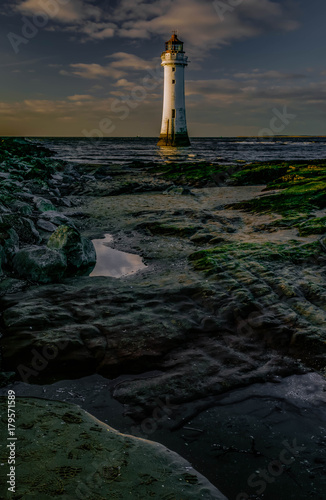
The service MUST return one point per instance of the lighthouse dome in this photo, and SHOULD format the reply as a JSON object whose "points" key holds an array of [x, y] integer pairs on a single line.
{"points": [[174, 44]]}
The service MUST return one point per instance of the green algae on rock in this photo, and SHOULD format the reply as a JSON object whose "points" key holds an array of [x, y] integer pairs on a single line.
{"points": [[302, 185], [78, 250], [292, 251], [197, 174], [66, 453]]}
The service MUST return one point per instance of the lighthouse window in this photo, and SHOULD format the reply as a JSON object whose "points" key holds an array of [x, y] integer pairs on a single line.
{"points": [[173, 69], [173, 113], [173, 81]]}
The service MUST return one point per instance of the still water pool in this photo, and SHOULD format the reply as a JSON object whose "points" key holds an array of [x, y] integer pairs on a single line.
{"points": [[113, 263]]}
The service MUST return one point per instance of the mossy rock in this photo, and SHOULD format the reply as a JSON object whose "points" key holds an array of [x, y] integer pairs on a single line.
{"points": [[302, 185], [40, 264], [213, 259], [79, 251], [23, 226], [197, 174], [44, 205], [315, 225]]}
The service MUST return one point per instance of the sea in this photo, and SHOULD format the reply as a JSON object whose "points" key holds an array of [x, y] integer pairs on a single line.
{"points": [[222, 150]]}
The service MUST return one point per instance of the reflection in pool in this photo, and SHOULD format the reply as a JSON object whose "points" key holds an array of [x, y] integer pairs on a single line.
{"points": [[112, 262]]}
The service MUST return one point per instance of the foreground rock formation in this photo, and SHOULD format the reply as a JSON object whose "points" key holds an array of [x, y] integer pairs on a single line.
{"points": [[65, 453], [234, 291]]}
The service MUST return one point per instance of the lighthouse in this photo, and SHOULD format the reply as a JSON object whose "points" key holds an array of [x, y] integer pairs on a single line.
{"points": [[174, 126]]}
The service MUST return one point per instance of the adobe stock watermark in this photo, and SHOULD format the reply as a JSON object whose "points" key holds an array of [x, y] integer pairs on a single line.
{"points": [[31, 26], [278, 123], [261, 478], [162, 412], [122, 107], [40, 360], [223, 7]]}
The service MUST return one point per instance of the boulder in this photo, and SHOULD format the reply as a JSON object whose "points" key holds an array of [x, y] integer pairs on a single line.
{"points": [[79, 251], [30, 233], [46, 225], [57, 218], [22, 207], [23, 226], [41, 264], [9, 245], [43, 205]]}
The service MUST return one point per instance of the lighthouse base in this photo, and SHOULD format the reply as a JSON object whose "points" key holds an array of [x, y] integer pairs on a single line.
{"points": [[175, 141]]}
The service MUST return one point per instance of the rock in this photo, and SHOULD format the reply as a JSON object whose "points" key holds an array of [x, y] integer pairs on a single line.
{"points": [[25, 196], [178, 190], [41, 264], [66, 202], [57, 177], [30, 234], [218, 240], [11, 285], [57, 218], [6, 378], [201, 237], [43, 205], [82, 457], [22, 208], [79, 251], [23, 226], [9, 245], [3, 209], [46, 225], [322, 241]]}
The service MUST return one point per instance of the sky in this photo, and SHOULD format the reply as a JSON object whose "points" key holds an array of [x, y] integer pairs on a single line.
{"points": [[88, 68]]}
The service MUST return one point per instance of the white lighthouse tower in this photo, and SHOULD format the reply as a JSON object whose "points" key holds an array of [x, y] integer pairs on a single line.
{"points": [[174, 125]]}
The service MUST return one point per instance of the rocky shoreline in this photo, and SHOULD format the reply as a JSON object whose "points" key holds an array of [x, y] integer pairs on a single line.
{"points": [[234, 292]]}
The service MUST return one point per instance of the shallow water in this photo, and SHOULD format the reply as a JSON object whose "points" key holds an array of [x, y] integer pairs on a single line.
{"points": [[114, 263], [225, 150]]}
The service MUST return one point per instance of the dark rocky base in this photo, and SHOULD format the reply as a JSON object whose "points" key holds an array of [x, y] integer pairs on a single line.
{"points": [[178, 140]]}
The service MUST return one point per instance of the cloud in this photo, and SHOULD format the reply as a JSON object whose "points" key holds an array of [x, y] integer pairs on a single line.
{"points": [[269, 75], [68, 12], [226, 92], [29, 62], [199, 22], [92, 30], [131, 62], [125, 84], [81, 97], [93, 71], [122, 64]]}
